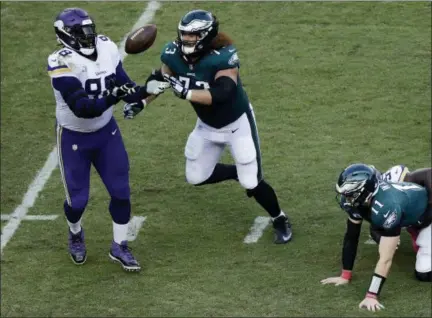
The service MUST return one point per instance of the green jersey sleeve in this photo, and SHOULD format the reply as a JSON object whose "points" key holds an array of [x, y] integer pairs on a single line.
{"points": [[169, 54], [226, 58]]}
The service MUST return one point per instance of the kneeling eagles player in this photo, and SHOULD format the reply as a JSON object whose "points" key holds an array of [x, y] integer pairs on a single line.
{"points": [[388, 206], [202, 67]]}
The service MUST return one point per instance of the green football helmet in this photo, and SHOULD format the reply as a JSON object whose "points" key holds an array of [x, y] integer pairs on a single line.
{"points": [[355, 185], [201, 23]]}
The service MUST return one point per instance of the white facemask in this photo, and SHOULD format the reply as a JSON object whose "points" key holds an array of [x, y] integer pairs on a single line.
{"points": [[188, 49]]}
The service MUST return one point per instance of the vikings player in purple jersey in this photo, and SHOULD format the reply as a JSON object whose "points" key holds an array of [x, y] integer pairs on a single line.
{"points": [[88, 79]]}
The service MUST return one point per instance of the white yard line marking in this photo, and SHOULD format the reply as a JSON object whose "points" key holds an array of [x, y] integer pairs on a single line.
{"points": [[257, 229], [370, 242], [7, 217], [51, 163], [145, 18], [134, 226], [29, 199]]}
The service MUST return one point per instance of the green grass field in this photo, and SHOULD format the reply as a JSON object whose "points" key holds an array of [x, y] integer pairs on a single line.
{"points": [[331, 84]]}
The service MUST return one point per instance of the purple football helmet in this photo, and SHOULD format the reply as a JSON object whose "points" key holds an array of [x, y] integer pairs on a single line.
{"points": [[76, 30]]}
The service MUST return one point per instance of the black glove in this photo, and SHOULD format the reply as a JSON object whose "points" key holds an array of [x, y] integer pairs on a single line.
{"points": [[130, 110], [122, 91]]}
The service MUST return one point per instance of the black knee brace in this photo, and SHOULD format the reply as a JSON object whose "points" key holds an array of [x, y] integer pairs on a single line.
{"points": [[424, 277]]}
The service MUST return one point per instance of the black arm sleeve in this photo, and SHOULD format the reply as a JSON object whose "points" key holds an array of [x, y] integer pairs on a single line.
{"points": [[78, 100], [223, 90], [350, 244]]}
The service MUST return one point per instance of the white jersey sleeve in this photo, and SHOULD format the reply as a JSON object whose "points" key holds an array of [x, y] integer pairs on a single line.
{"points": [[395, 174], [59, 64]]}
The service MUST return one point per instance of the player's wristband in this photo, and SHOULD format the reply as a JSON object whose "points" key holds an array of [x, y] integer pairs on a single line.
{"points": [[370, 295], [189, 95], [375, 286], [346, 274]]}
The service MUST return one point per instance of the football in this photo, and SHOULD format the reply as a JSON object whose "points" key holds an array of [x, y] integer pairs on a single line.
{"points": [[141, 39]]}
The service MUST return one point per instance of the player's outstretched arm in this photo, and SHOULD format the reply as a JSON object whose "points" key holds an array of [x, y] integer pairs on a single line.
{"points": [[387, 248], [222, 90], [65, 80], [80, 103], [349, 252], [165, 70], [154, 86]]}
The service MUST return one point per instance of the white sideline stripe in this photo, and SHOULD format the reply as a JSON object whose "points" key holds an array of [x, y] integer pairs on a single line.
{"points": [[257, 229], [135, 225], [51, 163], [7, 217], [370, 242], [29, 199], [145, 18]]}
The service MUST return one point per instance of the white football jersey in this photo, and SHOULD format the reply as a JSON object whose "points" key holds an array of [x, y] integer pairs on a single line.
{"points": [[92, 74], [395, 174]]}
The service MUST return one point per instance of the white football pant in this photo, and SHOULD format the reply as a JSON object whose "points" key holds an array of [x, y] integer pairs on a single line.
{"points": [[205, 145], [424, 255]]}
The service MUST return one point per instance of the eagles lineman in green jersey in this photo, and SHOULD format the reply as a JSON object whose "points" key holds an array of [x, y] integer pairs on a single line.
{"points": [[389, 207], [202, 66]]}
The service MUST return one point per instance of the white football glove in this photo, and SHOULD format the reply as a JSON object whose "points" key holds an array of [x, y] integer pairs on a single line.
{"points": [[156, 87]]}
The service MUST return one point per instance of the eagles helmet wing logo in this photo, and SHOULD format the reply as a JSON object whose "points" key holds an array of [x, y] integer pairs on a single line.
{"points": [[390, 220], [234, 59]]}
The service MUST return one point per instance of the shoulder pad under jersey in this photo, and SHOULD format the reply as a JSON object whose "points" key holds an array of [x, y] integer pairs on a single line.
{"points": [[105, 43], [225, 58], [169, 51], [59, 63]]}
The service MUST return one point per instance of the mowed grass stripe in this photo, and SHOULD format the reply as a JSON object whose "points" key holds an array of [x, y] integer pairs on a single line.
{"points": [[317, 74]]}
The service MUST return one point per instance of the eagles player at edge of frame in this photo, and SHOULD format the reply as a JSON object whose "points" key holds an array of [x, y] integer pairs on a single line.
{"points": [[365, 193], [202, 66]]}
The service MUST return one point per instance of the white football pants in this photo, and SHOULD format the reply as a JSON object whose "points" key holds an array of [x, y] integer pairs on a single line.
{"points": [[424, 255], [205, 145]]}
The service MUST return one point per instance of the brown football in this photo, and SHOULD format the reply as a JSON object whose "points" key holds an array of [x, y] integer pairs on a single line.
{"points": [[141, 39]]}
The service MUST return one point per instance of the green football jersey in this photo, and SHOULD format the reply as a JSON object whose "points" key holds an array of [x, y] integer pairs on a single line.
{"points": [[398, 205], [201, 74]]}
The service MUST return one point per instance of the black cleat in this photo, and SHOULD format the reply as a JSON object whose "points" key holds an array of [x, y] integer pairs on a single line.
{"points": [[282, 228]]}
